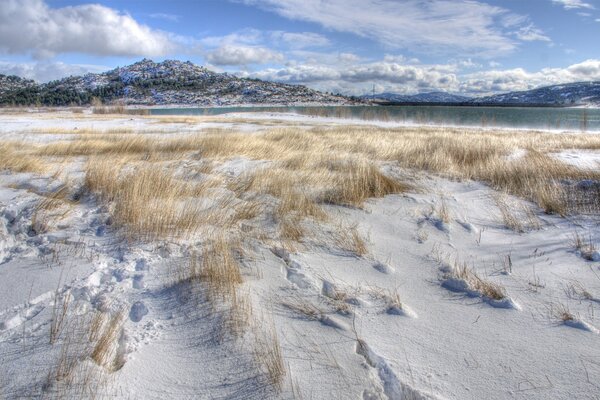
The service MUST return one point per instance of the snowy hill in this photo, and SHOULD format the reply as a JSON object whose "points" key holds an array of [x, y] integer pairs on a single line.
{"points": [[580, 93], [168, 82]]}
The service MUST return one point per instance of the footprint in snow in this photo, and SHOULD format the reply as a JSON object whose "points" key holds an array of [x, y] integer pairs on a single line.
{"points": [[138, 311]]}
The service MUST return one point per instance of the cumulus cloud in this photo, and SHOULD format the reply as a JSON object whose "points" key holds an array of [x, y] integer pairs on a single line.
{"points": [[33, 27], [488, 82], [574, 4], [405, 78], [441, 26], [48, 71], [357, 78], [229, 54]]}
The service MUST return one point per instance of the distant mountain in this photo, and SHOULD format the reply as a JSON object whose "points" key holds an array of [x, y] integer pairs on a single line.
{"points": [[431, 97], [168, 82], [570, 94]]}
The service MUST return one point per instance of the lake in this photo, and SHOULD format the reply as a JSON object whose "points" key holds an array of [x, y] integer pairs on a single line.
{"points": [[577, 119]]}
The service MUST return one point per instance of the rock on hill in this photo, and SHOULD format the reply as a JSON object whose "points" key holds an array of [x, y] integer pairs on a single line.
{"points": [[168, 82]]}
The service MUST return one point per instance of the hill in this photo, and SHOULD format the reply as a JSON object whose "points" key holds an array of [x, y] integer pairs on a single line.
{"points": [[570, 94], [164, 83]]}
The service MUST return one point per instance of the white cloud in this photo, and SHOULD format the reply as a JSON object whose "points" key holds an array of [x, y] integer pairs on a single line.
{"points": [[348, 58], [355, 79], [441, 26], [243, 37], [574, 4], [48, 71], [229, 54], [487, 82], [402, 77], [299, 40], [530, 33], [32, 27]]}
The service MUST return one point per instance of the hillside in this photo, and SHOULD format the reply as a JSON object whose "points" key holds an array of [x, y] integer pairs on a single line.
{"points": [[579, 93], [570, 94], [431, 97], [168, 82]]}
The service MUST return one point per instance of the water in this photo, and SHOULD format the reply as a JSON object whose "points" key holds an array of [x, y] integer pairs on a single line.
{"points": [[576, 119]]}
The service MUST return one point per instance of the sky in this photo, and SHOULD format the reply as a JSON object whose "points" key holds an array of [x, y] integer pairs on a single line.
{"points": [[470, 47]]}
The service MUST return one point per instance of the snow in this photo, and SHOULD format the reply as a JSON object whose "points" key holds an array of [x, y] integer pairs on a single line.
{"points": [[583, 159], [443, 342]]}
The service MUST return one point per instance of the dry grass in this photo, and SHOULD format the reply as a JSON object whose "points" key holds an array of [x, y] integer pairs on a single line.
{"points": [[269, 356], [15, 158], [585, 247], [442, 211], [560, 312], [148, 201], [87, 341], [305, 308], [516, 215], [391, 298], [461, 271], [221, 269], [60, 309], [577, 291], [105, 350], [347, 178]]}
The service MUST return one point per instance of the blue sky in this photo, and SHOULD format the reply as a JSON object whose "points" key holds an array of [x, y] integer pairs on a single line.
{"points": [[473, 47]]}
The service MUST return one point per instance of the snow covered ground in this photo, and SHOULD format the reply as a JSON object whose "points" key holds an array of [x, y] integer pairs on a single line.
{"points": [[85, 312]]}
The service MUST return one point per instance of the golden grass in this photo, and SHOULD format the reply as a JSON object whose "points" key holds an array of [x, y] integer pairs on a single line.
{"points": [[13, 157], [105, 351], [475, 283], [344, 158], [148, 201], [269, 356], [220, 268]]}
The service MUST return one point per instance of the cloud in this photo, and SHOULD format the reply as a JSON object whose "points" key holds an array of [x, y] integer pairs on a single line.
{"points": [[299, 40], [32, 27], [356, 79], [441, 26], [406, 78], [48, 71], [487, 82], [229, 54], [530, 33], [574, 4], [166, 17], [243, 37]]}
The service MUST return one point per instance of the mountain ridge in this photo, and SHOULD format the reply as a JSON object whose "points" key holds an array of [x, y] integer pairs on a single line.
{"points": [[566, 94]]}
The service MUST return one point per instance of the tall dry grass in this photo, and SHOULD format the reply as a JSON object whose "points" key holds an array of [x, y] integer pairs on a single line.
{"points": [[147, 200], [14, 157]]}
